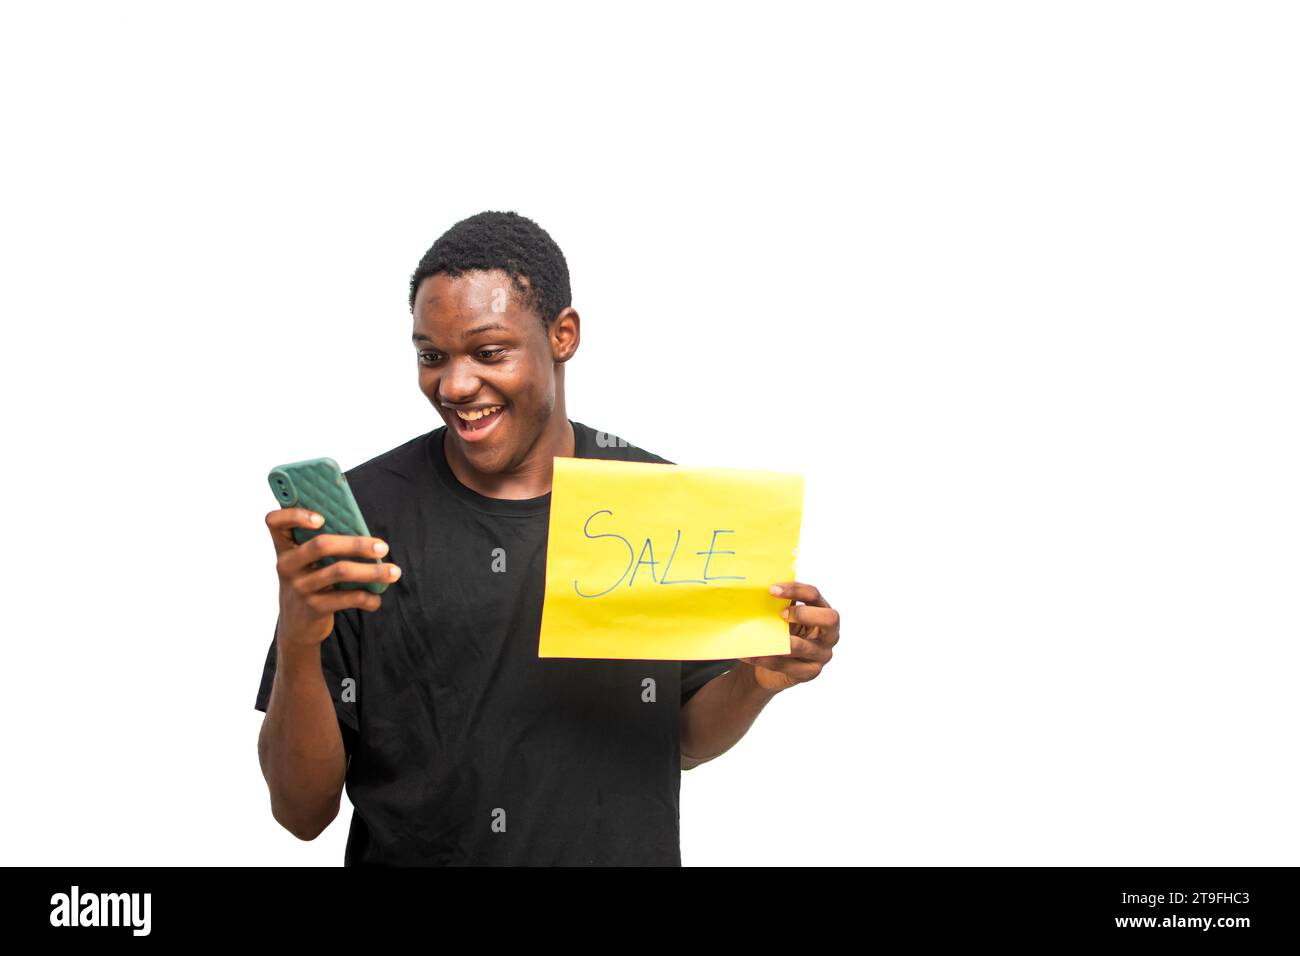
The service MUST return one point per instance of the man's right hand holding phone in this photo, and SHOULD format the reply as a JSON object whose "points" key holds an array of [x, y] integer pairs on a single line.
{"points": [[308, 598]]}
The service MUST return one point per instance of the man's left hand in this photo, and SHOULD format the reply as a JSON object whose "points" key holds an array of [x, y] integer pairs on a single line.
{"points": [[814, 630]]}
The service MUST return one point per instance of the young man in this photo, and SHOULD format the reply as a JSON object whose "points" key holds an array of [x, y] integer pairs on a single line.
{"points": [[458, 745]]}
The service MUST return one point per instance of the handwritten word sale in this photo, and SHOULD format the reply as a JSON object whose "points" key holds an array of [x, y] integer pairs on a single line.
{"points": [[635, 561]]}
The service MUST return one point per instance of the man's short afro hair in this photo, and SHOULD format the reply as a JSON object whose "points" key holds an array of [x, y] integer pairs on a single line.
{"points": [[507, 241]]}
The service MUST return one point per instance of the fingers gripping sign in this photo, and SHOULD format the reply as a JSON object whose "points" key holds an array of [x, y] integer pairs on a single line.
{"points": [[814, 631]]}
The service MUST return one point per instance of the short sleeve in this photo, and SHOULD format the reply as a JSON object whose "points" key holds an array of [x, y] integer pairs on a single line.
{"points": [[695, 674], [339, 664]]}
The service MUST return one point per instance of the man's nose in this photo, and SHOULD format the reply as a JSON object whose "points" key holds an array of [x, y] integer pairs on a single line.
{"points": [[459, 381]]}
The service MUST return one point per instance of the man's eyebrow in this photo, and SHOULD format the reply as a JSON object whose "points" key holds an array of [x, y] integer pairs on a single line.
{"points": [[488, 327]]}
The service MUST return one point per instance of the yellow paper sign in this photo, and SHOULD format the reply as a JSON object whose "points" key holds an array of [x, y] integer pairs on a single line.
{"points": [[667, 562]]}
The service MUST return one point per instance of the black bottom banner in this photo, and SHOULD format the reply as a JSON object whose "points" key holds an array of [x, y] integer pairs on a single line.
{"points": [[1231, 907]]}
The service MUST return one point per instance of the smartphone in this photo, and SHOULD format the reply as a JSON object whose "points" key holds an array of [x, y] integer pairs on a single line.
{"points": [[318, 485]]}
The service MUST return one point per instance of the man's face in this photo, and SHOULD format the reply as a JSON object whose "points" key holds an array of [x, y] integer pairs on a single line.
{"points": [[477, 350]]}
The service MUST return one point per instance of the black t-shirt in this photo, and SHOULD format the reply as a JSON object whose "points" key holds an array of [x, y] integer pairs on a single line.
{"points": [[464, 747]]}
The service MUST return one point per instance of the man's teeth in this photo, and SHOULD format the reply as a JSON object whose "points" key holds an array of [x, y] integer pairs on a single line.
{"points": [[475, 416]]}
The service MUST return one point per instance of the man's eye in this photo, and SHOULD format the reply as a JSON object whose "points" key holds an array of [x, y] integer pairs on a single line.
{"points": [[430, 358]]}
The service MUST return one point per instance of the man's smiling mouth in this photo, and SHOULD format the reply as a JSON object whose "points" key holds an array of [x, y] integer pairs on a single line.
{"points": [[475, 415], [477, 419]]}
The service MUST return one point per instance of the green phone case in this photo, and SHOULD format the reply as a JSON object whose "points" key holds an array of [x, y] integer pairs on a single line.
{"points": [[318, 485]]}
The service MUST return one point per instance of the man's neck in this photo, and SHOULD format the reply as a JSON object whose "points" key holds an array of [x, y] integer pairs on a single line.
{"points": [[532, 478]]}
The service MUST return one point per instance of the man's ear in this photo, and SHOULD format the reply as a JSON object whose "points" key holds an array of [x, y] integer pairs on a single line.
{"points": [[565, 335]]}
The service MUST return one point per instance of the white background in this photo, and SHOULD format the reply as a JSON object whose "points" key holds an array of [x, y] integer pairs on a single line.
{"points": [[1012, 285]]}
